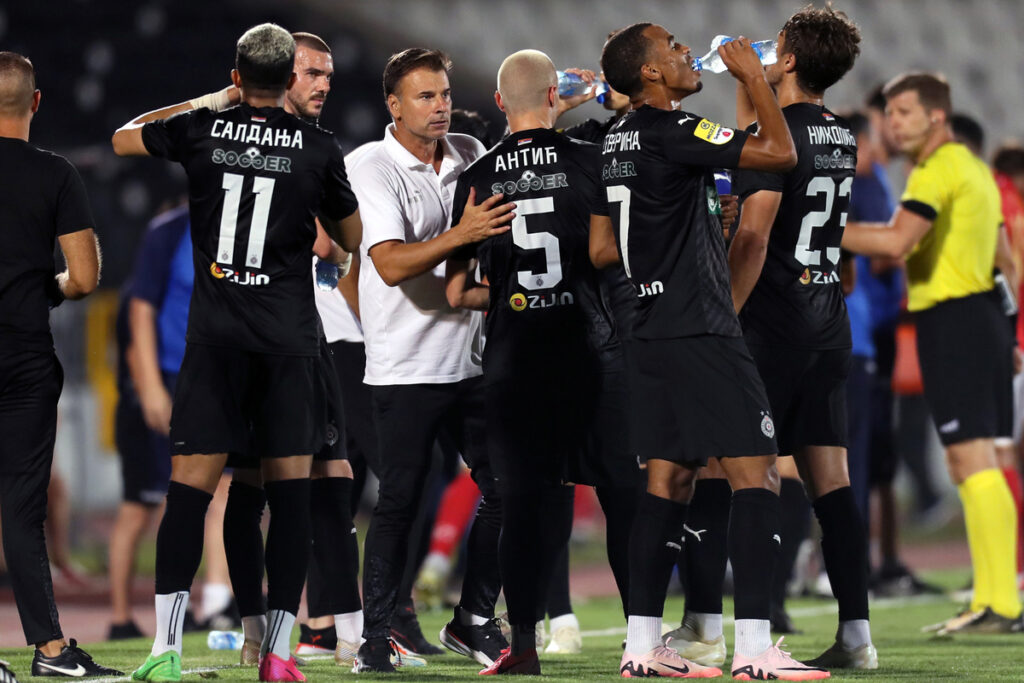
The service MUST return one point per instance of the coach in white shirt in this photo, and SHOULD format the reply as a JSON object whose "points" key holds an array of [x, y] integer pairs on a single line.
{"points": [[421, 362]]}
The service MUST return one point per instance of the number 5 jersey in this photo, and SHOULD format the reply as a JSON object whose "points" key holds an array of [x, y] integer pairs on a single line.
{"points": [[257, 180]]}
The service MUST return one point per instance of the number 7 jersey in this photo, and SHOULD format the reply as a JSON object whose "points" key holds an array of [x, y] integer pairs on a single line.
{"points": [[257, 179], [798, 300]]}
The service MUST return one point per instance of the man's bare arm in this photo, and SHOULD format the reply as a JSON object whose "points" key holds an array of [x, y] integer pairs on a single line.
{"points": [[127, 140], [461, 287], [1004, 260], [894, 239], [603, 251], [142, 357], [398, 261], [82, 254], [750, 245], [349, 285]]}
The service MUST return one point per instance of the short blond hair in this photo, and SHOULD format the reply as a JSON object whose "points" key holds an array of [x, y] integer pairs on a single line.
{"points": [[524, 79], [17, 84]]}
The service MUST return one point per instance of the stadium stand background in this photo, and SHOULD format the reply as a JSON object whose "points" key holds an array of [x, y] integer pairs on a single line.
{"points": [[100, 62]]}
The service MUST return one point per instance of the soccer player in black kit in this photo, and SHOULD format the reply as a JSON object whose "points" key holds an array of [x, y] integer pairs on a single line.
{"points": [[552, 364], [694, 390], [784, 263], [258, 178]]}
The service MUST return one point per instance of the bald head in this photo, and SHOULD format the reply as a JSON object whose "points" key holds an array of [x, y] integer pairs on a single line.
{"points": [[17, 85], [524, 79]]}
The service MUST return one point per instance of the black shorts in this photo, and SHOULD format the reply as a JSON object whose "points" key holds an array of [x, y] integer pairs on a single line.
{"points": [[965, 349], [333, 447], [30, 385], [360, 433], [807, 392], [145, 454], [694, 398], [608, 457], [235, 401]]}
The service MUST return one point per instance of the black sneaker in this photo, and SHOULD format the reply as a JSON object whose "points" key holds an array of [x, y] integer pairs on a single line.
{"points": [[128, 629], [6, 675], [483, 643], [405, 629], [374, 656], [72, 661], [318, 641]]}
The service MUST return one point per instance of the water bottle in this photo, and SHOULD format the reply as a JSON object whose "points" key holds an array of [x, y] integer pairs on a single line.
{"points": [[225, 640], [326, 275], [723, 181], [570, 85], [712, 61]]}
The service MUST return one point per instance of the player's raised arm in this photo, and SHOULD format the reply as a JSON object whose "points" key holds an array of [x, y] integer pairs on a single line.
{"points": [[750, 245], [127, 140], [771, 148], [894, 239]]}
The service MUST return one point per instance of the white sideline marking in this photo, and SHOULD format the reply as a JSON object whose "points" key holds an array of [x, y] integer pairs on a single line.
{"points": [[820, 610]]}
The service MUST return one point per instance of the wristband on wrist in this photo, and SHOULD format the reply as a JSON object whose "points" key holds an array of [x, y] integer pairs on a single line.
{"points": [[214, 101]]}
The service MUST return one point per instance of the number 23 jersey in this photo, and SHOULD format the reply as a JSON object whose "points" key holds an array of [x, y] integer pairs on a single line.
{"points": [[257, 179], [798, 300]]}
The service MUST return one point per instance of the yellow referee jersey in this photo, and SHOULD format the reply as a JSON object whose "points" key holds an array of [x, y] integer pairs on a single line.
{"points": [[955, 190]]}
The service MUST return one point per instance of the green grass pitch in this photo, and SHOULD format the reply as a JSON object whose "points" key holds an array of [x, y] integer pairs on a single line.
{"points": [[904, 652]]}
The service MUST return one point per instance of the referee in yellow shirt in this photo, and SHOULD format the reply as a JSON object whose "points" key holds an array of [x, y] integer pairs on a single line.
{"points": [[946, 226]]}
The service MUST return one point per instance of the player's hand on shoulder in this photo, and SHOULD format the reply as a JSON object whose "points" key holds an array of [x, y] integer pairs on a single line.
{"points": [[483, 220], [741, 60]]}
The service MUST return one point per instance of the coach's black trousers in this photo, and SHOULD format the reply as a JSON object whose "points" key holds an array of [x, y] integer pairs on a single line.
{"points": [[408, 419], [30, 384]]}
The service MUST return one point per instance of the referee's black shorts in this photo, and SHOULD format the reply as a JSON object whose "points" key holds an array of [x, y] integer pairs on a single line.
{"points": [[694, 398], [966, 353], [807, 392], [234, 401]]}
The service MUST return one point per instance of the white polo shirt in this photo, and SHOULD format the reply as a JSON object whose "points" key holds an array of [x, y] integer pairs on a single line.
{"points": [[339, 320], [412, 335]]}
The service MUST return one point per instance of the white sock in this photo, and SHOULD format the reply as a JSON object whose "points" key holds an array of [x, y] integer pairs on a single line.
{"points": [[254, 628], [467, 618], [279, 634], [643, 634], [707, 626], [170, 620], [349, 626], [216, 597], [854, 633], [753, 636], [565, 620]]}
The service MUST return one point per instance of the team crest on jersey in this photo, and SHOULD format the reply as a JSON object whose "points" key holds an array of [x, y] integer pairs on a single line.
{"points": [[767, 426], [517, 301], [715, 133]]}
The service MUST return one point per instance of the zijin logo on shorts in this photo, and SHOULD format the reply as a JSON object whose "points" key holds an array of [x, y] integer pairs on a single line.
{"points": [[767, 426], [252, 158], [239, 278]]}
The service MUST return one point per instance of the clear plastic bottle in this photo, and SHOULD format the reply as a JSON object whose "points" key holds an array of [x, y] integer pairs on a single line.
{"points": [[712, 61], [570, 85], [327, 275], [225, 640]]}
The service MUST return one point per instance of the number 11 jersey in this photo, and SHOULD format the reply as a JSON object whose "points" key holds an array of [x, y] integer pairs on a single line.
{"points": [[257, 180], [798, 300]]}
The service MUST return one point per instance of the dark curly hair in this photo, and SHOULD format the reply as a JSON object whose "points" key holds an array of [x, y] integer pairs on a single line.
{"points": [[825, 44]]}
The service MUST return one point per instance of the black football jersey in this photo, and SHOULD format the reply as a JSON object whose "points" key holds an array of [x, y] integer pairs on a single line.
{"points": [[257, 179], [659, 190], [547, 309], [798, 300]]}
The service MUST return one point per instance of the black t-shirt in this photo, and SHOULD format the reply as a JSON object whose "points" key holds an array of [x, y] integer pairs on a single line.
{"points": [[41, 197], [798, 300], [547, 311], [257, 179], [660, 193]]}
